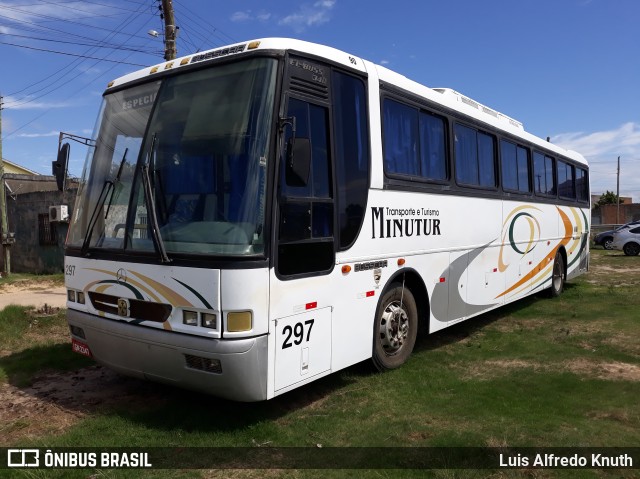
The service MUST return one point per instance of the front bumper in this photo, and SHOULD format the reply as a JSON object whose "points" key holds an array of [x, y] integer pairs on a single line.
{"points": [[168, 357]]}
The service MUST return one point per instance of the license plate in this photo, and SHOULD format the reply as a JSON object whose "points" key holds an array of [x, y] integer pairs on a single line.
{"points": [[80, 348]]}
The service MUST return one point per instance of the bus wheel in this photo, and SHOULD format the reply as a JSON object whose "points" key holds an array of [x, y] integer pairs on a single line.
{"points": [[557, 277], [395, 329]]}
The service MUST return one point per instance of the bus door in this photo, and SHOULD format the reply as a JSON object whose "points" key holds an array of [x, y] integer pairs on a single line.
{"points": [[304, 252]]}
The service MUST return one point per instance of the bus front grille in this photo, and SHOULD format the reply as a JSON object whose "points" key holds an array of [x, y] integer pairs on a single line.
{"points": [[203, 364]]}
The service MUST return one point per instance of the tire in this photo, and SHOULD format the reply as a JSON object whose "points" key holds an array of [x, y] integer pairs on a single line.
{"points": [[557, 276], [631, 249], [395, 328], [606, 244]]}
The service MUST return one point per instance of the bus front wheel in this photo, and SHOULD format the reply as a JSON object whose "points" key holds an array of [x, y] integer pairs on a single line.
{"points": [[396, 328]]}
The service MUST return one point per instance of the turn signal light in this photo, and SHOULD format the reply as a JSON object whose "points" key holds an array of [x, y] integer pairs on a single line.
{"points": [[239, 321]]}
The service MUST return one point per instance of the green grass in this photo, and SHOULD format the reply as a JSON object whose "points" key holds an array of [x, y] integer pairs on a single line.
{"points": [[540, 372], [31, 343], [17, 278]]}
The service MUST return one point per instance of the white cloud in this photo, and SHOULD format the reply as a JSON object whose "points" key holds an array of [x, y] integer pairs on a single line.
{"points": [[241, 16], [38, 135], [28, 103], [602, 148], [248, 15], [309, 15], [30, 11]]}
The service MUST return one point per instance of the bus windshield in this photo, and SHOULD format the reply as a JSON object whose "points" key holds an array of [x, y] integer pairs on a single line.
{"points": [[181, 163]]}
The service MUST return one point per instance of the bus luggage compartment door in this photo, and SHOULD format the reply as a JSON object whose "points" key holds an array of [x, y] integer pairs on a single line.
{"points": [[303, 347]]}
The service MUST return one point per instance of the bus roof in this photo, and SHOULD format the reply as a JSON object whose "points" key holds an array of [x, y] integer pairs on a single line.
{"points": [[445, 96]]}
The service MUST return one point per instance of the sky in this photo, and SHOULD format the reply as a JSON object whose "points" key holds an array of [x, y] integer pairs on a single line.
{"points": [[567, 69]]}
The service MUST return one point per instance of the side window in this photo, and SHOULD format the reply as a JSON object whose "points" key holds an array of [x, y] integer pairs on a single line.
{"points": [[433, 144], [515, 167], [311, 122], [566, 180], [524, 169], [400, 138], [414, 142], [475, 157], [352, 155], [543, 171], [582, 184]]}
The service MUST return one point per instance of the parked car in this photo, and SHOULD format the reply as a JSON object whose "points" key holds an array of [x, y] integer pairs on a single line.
{"points": [[605, 238], [627, 240]]}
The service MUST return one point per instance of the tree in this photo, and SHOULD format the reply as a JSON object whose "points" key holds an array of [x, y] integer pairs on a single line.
{"points": [[608, 198]]}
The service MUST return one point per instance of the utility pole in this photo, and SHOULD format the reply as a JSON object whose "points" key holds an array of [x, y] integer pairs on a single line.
{"points": [[6, 245], [618, 194], [170, 50]]}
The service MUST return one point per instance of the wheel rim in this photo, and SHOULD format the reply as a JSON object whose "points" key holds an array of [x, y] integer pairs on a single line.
{"points": [[394, 328], [607, 244], [557, 275]]}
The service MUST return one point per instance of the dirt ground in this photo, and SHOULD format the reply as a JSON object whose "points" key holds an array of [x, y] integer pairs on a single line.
{"points": [[31, 293]]}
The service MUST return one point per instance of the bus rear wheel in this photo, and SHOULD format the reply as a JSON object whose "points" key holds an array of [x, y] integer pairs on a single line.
{"points": [[557, 276], [396, 328]]}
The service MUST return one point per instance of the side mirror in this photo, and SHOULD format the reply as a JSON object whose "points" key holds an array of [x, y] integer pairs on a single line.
{"points": [[298, 161], [59, 167]]}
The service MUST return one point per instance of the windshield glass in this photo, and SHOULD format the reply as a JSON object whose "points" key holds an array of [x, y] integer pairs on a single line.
{"points": [[189, 154]]}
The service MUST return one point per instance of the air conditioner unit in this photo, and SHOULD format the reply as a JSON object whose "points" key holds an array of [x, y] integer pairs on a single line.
{"points": [[59, 213]]}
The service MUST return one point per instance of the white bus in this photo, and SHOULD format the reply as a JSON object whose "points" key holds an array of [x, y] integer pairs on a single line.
{"points": [[258, 216]]}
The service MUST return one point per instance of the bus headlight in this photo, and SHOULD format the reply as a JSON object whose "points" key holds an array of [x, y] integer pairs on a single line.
{"points": [[209, 320], [190, 318], [239, 321]]}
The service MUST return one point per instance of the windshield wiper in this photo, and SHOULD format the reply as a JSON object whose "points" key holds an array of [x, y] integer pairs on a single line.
{"points": [[107, 187], [151, 206]]}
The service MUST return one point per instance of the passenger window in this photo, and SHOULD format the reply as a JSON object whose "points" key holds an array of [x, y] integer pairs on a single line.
{"points": [[543, 180], [515, 167], [475, 157]]}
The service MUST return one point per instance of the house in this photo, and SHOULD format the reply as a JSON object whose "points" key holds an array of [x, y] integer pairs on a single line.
{"points": [[14, 168], [39, 241], [612, 214]]}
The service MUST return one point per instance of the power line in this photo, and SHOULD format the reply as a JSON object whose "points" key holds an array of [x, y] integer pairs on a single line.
{"points": [[97, 45], [76, 62], [73, 54], [93, 27]]}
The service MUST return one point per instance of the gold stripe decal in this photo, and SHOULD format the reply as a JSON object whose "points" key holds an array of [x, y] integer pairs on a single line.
{"points": [[541, 266]]}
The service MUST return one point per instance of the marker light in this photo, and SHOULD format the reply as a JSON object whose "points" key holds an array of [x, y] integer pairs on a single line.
{"points": [[401, 261], [253, 45], [190, 318], [239, 321], [346, 269], [184, 61], [209, 320]]}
